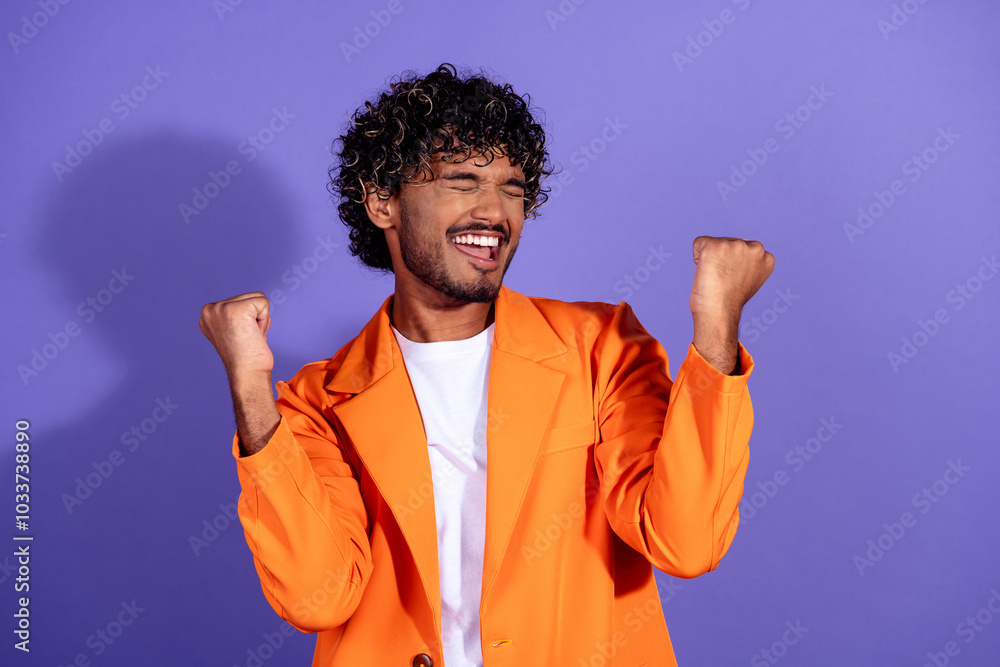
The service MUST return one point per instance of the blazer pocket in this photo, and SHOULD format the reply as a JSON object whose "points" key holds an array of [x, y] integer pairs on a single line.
{"points": [[572, 436]]}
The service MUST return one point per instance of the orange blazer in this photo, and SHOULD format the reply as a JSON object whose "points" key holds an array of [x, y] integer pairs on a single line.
{"points": [[599, 468]]}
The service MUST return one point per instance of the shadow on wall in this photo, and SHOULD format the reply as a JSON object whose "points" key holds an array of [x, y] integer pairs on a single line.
{"points": [[119, 492]]}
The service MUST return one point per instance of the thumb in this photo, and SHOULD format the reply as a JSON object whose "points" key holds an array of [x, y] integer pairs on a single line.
{"points": [[698, 247], [263, 314]]}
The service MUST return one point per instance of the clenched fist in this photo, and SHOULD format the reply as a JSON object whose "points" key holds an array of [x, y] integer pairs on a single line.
{"points": [[237, 327], [729, 272]]}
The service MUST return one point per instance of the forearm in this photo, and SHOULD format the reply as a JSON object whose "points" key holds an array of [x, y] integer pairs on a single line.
{"points": [[256, 412], [306, 534], [690, 504], [716, 337], [673, 455], [302, 513]]}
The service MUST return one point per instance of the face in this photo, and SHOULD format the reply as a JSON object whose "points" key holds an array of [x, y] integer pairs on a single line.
{"points": [[458, 233]]}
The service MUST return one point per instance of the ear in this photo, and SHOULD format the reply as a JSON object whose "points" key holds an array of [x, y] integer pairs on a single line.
{"points": [[382, 212]]}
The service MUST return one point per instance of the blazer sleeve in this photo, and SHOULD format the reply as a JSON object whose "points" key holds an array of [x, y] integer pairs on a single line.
{"points": [[672, 455], [303, 515]]}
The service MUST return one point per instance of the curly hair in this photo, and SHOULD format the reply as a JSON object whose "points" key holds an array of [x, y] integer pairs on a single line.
{"points": [[392, 141]]}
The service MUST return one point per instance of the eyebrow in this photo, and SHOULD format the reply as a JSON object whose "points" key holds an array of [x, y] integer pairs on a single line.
{"points": [[472, 176]]}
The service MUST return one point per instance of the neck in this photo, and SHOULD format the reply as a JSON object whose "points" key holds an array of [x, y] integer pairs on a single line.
{"points": [[427, 316]]}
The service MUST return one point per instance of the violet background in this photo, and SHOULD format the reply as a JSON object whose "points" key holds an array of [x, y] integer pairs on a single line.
{"points": [[654, 185]]}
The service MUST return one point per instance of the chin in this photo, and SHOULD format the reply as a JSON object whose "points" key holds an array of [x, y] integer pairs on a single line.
{"points": [[479, 292]]}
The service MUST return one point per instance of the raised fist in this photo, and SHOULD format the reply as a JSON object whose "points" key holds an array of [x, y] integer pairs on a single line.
{"points": [[237, 327], [729, 272]]}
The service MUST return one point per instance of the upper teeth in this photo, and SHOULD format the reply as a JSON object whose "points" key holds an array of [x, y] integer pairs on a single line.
{"points": [[478, 240]]}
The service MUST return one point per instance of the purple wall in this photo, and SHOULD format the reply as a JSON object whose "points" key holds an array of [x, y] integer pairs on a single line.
{"points": [[870, 517]]}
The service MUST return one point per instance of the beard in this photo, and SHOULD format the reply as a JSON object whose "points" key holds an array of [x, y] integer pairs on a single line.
{"points": [[425, 259]]}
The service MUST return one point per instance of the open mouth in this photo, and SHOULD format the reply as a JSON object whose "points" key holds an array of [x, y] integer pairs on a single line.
{"points": [[483, 247]]}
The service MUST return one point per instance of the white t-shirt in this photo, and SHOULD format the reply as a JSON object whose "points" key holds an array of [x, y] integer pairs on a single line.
{"points": [[449, 379]]}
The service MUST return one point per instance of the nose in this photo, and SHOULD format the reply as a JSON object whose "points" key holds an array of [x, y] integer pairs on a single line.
{"points": [[489, 206]]}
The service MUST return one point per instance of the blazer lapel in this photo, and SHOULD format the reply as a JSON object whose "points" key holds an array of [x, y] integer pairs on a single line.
{"points": [[522, 395], [384, 424]]}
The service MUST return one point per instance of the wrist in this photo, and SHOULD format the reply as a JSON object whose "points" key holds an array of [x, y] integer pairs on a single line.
{"points": [[717, 340], [718, 326], [716, 311], [246, 381]]}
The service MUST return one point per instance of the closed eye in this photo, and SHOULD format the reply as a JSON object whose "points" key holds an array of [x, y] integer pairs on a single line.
{"points": [[517, 195], [472, 177]]}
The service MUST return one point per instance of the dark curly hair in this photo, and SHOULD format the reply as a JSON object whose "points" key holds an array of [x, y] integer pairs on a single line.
{"points": [[391, 141]]}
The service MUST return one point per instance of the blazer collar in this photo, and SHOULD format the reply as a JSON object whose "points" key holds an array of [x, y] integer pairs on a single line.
{"points": [[520, 330]]}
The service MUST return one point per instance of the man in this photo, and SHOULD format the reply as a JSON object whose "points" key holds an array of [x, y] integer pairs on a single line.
{"points": [[480, 477]]}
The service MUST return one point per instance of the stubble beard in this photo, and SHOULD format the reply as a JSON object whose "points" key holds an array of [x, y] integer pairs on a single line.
{"points": [[425, 260]]}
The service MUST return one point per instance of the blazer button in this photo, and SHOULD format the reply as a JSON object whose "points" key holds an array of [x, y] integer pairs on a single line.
{"points": [[422, 660]]}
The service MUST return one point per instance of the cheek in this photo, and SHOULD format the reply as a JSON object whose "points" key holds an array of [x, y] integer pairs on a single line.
{"points": [[515, 214], [446, 212], [515, 221]]}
